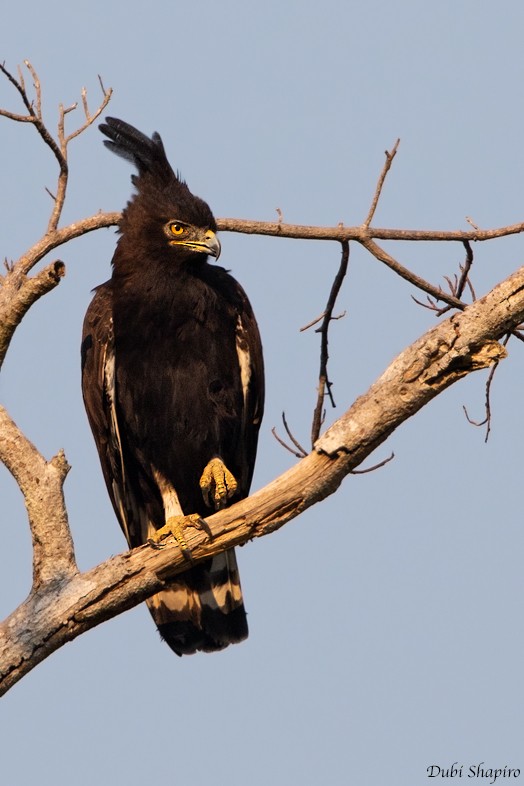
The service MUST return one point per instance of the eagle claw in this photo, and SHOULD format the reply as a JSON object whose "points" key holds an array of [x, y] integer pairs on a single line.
{"points": [[217, 483], [174, 527]]}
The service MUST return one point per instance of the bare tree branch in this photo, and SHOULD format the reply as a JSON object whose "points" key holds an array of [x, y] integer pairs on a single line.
{"points": [[374, 467], [18, 292], [456, 286], [380, 184], [361, 233], [63, 141], [52, 240], [299, 451], [59, 148], [465, 270], [41, 483], [324, 383], [406, 274], [17, 295], [487, 404], [34, 117]]}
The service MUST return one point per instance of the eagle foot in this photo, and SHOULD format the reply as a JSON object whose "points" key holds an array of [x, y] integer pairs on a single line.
{"points": [[218, 484], [174, 527]]}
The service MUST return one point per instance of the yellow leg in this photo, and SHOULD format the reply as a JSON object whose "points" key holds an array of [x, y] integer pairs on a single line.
{"points": [[174, 527], [217, 484]]}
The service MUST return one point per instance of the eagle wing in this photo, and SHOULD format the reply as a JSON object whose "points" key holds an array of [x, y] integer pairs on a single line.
{"points": [[251, 365]]}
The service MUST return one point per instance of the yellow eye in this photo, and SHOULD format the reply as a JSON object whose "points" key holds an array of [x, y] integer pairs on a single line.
{"points": [[177, 229]]}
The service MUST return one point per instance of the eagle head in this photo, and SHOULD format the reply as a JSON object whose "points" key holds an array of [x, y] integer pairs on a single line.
{"points": [[163, 216]]}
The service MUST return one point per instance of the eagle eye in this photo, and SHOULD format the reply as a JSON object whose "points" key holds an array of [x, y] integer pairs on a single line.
{"points": [[177, 229]]}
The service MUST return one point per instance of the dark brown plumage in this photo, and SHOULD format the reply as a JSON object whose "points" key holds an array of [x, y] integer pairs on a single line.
{"points": [[172, 378]]}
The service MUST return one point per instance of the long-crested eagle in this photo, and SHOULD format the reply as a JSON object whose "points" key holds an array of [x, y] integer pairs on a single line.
{"points": [[173, 384]]}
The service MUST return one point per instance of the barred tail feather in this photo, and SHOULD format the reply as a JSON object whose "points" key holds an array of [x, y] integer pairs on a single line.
{"points": [[202, 610]]}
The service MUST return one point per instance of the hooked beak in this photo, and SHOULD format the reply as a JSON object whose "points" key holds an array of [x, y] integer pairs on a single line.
{"points": [[212, 244]]}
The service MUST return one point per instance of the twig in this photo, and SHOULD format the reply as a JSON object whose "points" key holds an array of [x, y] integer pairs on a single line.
{"points": [[20, 87], [34, 116], [324, 383], [317, 320], [465, 269], [90, 119], [457, 286], [380, 184], [64, 141], [487, 405], [374, 467], [418, 282], [301, 452], [37, 87], [457, 289], [430, 305], [312, 323]]}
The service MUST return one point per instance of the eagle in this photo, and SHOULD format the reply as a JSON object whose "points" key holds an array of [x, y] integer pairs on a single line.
{"points": [[173, 385]]}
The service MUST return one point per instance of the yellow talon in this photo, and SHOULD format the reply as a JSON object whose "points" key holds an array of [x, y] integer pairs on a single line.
{"points": [[174, 527], [217, 484]]}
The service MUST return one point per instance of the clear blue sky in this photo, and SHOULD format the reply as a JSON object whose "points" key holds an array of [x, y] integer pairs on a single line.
{"points": [[386, 624]]}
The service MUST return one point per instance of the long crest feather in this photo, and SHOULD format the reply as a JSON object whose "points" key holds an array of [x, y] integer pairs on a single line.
{"points": [[161, 193], [147, 154]]}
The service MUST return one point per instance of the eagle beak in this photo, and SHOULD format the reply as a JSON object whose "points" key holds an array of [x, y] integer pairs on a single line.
{"points": [[212, 244], [203, 243]]}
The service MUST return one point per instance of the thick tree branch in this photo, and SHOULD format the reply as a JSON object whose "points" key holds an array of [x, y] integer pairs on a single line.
{"points": [[41, 483], [297, 231], [17, 295], [463, 343], [18, 292], [360, 233], [11, 312], [52, 240]]}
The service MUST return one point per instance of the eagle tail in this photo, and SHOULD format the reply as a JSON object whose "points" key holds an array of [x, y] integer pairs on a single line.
{"points": [[202, 609]]}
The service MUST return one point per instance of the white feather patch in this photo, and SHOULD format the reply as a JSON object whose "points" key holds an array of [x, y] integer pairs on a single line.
{"points": [[169, 496], [244, 358], [109, 387]]}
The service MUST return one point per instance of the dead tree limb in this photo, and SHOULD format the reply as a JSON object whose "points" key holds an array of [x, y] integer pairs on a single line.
{"points": [[59, 146], [361, 233], [324, 383]]}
